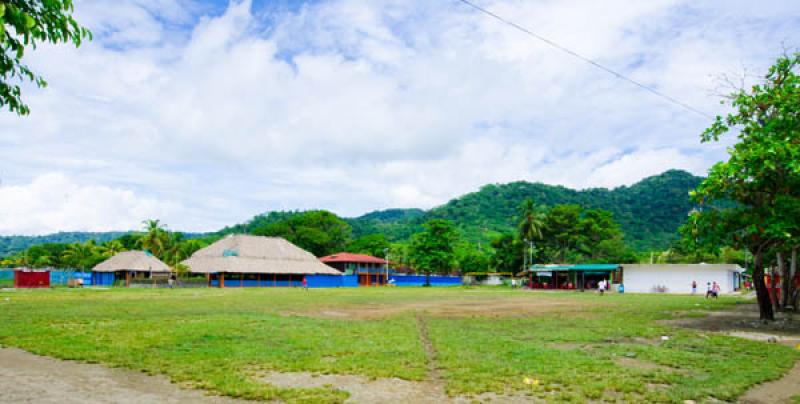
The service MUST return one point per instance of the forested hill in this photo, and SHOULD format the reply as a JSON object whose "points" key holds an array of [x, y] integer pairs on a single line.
{"points": [[649, 211]]}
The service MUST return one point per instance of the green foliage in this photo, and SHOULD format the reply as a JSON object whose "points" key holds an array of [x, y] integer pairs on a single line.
{"points": [[471, 259], [373, 244], [761, 175], [13, 244], [433, 250], [395, 224], [318, 231], [508, 253], [25, 23]]}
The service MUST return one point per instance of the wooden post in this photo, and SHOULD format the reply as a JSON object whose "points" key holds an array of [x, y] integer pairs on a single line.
{"points": [[127, 279], [274, 280], [241, 280], [258, 276], [208, 280], [222, 280]]}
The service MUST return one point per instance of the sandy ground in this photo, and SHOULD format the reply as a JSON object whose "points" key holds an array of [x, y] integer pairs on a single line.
{"points": [[29, 378]]}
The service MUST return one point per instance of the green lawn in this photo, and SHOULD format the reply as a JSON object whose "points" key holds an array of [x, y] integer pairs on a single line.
{"points": [[590, 348]]}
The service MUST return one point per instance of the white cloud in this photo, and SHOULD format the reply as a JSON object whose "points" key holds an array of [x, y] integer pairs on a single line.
{"points": [[53, 202], [354, 105]]}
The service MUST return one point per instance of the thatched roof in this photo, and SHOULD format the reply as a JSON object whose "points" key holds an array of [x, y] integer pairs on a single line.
{"points": [[132, 261], [255, 254]]}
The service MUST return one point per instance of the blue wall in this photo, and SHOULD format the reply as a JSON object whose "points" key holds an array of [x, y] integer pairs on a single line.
{"points": [[332, 281], [103, 278], [314, 281], [7, 275], [419, 280], [62, 277]]}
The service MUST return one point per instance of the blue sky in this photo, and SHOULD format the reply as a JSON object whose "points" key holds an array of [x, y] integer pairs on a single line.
{"points": [[203, 114]]}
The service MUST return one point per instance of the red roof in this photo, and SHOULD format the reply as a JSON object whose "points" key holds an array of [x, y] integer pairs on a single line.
{"points": [[350, 257]]}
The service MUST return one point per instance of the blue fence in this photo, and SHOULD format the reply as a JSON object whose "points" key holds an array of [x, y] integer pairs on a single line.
{"points": [[332, 281], [62, 277], [419, 280], [103, 278], [6, 275]]}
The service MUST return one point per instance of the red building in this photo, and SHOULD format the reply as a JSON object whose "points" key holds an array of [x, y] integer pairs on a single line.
{"points": [[31, 278], [371, 271]]}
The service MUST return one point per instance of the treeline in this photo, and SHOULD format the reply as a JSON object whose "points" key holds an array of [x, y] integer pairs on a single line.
{"points": [[170, 247]]}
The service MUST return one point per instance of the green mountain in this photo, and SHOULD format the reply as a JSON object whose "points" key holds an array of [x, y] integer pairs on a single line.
{"points": [[649, 213]]}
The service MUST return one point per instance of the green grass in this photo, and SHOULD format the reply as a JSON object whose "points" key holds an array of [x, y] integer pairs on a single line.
{"points": [[219, 339]]}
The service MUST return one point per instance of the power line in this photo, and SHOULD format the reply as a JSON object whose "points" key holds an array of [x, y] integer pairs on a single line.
{"points": [[587, 60]]}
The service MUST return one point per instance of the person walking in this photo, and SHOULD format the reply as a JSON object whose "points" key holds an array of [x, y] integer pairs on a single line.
{"points": [[715, 289], [708, 289], [305, 283], [694, 287]]}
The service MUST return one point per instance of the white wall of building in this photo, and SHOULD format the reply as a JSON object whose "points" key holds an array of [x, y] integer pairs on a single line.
{"points": [[677, 278]]}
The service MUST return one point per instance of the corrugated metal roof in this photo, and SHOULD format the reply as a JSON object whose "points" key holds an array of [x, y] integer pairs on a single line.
{"points": [[576, 267]]}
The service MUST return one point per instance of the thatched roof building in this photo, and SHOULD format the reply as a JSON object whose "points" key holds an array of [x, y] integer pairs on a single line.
{"points": [[245, 254], [132, 261]]}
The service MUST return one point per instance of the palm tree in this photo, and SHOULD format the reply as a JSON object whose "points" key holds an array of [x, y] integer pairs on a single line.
{"points": [[111, 248], [530, 227], [77, 254], [154, 237]]}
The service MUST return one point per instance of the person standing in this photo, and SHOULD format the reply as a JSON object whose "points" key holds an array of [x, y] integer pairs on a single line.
{"points": [[715, 289], [708, 289], [694, 287], [305, 283], [601, 286]]}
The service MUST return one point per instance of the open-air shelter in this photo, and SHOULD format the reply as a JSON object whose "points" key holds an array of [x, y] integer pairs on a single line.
{"points": [[130, 266], [255, 261], [573, 276]]}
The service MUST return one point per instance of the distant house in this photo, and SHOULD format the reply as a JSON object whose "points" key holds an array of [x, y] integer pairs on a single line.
{"points": [[371, 271], [256, 261], [130, 266], [678, 278]]}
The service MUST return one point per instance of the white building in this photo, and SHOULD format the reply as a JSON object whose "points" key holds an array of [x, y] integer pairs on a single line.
{"points": [[678, 278]]}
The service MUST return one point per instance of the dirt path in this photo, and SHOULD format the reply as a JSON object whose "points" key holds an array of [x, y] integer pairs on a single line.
{"points": [[778, 391], [29, 378]]}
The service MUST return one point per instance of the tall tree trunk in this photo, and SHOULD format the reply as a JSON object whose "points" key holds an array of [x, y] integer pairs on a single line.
{"points": [[773, 283], [779, 298], [764, 304], [793, 292]]}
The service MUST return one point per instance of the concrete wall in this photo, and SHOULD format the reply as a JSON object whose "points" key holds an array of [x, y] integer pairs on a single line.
{"points": [[678, 277]]}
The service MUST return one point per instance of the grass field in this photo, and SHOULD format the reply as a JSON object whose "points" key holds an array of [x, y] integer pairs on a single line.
{"points": [[573, 346]]}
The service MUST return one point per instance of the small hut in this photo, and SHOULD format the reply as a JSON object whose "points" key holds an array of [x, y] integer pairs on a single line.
{"points": [[130, 266], [256, 261], [31, 278]]}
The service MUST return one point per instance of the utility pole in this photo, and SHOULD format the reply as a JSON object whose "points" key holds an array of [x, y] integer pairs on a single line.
{"points": [[386, 264]]}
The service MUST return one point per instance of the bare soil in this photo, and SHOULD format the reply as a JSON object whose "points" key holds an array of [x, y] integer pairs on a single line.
{"points": [[778, 391], [29, 378], [456, 308]]}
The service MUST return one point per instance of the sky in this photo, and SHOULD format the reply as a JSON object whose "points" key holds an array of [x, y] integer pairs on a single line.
{"points": [[203, 114]]}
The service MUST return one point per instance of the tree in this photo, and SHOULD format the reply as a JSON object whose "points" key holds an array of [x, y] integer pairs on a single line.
{"points": [[372, 244], [508, 253], [470, 259], [25, 23], [81, 255], [318, 231], [432, 251], [155, 237], [762, 173]]}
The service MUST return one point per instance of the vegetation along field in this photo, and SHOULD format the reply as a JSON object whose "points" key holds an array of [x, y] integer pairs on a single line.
{"points": [[462, 343]]}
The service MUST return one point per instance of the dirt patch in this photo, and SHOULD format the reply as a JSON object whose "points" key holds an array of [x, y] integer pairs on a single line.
{"points": [[778, 391], [643, 365], [742, 321], [31, 378], [458, 308]]}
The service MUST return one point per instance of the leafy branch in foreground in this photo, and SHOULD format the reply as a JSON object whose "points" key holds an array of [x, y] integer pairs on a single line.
{"points": [[24, 23]]}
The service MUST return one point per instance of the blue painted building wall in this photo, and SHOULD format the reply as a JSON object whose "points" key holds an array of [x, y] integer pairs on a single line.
{"points": [[419, 280]]}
